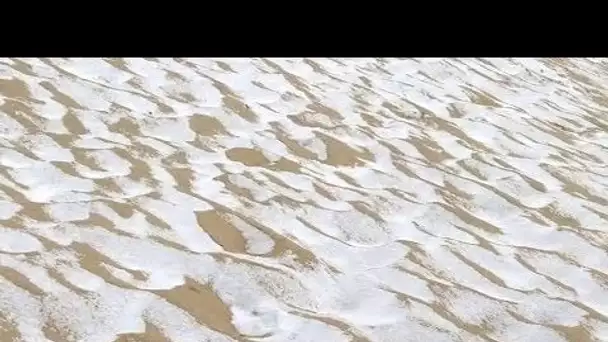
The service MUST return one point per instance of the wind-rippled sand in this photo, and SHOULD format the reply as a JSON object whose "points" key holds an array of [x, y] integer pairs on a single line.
{"points": [[303, 200]]}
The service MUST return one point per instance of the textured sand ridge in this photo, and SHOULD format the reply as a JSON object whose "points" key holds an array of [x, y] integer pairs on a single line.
{"points": [[303, 200]]}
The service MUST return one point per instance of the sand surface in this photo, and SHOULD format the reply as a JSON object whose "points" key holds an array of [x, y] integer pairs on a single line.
{"points": [[276, 200]]}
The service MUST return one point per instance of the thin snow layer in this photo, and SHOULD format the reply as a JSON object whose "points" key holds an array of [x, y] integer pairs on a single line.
{"points": [[304, 199]]}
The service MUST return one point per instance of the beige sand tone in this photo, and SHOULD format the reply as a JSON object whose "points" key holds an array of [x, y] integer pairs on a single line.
{"points": [[254, 178]]}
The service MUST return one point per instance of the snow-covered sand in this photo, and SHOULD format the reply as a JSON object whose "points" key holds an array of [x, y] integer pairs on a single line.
{"points": [[303, 200]]}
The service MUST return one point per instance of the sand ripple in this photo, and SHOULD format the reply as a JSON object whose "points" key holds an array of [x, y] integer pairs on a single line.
{"points": [[303, 200]]}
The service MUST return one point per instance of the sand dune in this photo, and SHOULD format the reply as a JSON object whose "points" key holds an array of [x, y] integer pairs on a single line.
{"points": [[276, 200]]}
